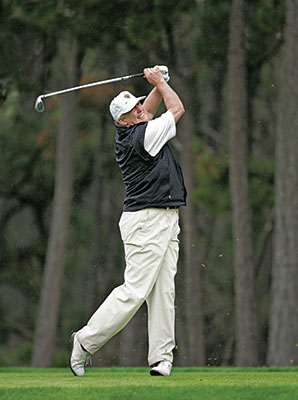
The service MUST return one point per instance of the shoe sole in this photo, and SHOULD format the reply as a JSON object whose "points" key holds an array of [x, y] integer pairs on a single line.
{"points": [[155, 373]]}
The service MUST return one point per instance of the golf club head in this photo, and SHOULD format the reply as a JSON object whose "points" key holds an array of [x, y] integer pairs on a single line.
{"points": [[39, 106]]}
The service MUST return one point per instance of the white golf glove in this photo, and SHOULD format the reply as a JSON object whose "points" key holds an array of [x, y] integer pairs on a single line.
{"points": [[165, 72]]}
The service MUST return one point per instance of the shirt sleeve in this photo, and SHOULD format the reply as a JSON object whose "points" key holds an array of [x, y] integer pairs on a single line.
{"points": [[158, 132]]}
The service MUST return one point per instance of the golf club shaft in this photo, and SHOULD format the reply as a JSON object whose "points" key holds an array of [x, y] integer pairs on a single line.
{"points": [[88, 85]]}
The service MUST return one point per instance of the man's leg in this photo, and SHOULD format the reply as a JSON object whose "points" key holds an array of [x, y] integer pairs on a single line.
{"points": [[160, 302], [144, 241]]}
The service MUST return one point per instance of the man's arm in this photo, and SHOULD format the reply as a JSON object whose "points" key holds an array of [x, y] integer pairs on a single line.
{"points": [[152, 103], [170, 97]]}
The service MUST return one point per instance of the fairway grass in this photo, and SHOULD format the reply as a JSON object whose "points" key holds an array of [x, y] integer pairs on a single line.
{"points": [[136, 383]]}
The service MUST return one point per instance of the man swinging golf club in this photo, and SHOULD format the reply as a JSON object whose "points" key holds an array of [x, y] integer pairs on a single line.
{"points": [[149, 226]]}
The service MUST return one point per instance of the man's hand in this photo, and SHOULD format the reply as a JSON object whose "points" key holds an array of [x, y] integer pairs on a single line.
{"points": [[153, 75]]}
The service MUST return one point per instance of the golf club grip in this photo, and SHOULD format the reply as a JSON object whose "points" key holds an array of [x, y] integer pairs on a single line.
{"points": [[137, 75]]}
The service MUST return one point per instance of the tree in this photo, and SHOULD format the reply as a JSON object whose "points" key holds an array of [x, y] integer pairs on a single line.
{"points": [[46, 324], [185, 83], [245, 307], [194, 327], [283, 330]]}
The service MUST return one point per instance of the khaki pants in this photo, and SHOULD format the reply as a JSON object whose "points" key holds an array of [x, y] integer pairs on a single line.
{"points": [[150, 238]]}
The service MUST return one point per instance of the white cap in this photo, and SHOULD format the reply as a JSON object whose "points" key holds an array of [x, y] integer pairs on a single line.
{"points": [[123, 103]]}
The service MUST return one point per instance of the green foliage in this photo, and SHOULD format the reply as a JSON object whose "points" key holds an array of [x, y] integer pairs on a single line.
{"points": [[212, 192], [265, 20], [149, 23], [25, 175], [61, 359], [213, 24], [97, 23], [27, 33], [261, 178], [19, 355]]}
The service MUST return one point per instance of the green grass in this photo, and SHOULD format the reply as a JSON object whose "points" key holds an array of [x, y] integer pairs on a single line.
{"points": [[136, 383]]}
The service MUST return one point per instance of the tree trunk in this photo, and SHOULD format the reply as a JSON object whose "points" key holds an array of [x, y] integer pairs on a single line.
{"points": [[283, 327], [191, 343], [46, 324], [245, 308], [194, 353], [96, 258]]}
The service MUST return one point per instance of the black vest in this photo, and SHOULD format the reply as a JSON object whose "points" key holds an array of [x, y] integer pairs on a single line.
{"points": [[149, 181]]}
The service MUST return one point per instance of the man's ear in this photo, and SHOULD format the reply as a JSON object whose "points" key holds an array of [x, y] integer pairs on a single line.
{"points": [[121, 122]]}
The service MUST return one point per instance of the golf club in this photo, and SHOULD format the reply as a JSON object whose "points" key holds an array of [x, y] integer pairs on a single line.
{"points": [[39, 104]]}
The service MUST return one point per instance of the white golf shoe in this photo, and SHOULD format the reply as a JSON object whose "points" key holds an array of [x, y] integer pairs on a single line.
{"points": [[163, 368], [79, 357]]}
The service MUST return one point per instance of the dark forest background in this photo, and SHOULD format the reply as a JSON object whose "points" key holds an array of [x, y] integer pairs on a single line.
{"points": [[235, 65]]}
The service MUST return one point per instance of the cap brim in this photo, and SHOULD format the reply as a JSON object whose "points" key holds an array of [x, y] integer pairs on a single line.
{"points": [[133, 104]]}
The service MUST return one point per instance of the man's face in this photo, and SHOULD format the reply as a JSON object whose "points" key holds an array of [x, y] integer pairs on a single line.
{"points": [[135, 116]]}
